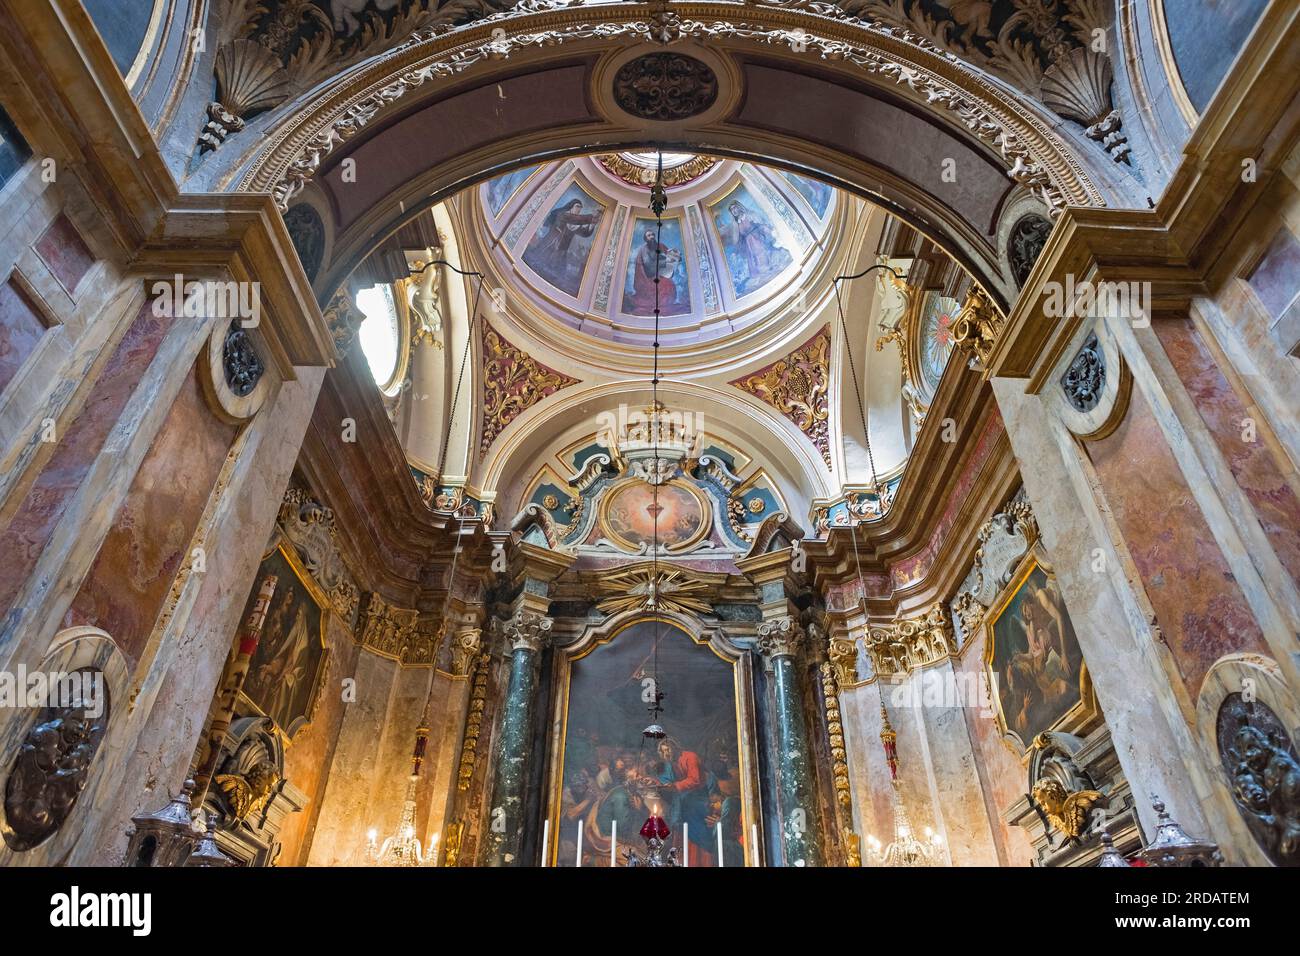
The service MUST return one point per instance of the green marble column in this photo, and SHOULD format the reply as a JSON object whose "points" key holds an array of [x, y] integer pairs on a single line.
{"points": [[779, 640], [527, 634]]}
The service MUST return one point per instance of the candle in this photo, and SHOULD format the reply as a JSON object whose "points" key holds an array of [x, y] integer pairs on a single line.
{"points": [[753, 833], [613, 843], [719, 843], [579, 843], [686, 844], [546, 839]]}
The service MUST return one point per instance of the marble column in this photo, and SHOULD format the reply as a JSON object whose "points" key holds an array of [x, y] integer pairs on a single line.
{"points": [[528, 633], [780, 641]]}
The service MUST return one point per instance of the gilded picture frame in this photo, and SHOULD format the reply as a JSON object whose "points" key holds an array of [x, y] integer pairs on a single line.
{"points": [[609, 529], [249, 696], [1027, 663], [744, 715]]}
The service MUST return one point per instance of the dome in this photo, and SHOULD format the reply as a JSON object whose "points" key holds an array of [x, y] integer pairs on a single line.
{"points": [[576, 240]]}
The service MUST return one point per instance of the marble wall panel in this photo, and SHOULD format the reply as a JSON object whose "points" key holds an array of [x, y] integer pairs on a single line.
{"points": [[1198, 602], [1258, 472], [20, 329], [150, 538], [63, 250], [308, 758], [35, 517]]}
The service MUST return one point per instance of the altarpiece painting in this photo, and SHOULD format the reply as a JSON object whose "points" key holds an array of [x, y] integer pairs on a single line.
{"points": [[611, 778]]}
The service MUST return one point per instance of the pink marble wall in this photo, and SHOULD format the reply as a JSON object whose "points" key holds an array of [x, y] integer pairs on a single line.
{"points": [[20, 329], [63, 250], [308, 759], [1253, 464], [1197, 601], [918, 565], [135, 567], [33, 522]]}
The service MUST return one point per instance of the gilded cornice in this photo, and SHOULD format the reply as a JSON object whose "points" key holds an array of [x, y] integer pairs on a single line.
{"points": [[398, 633], [797, 387], [513, 382], [900, 647]]}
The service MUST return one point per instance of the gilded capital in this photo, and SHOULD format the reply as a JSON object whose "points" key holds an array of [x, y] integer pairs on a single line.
{"points": [[901, 646], [465, 644], [780, 637]]}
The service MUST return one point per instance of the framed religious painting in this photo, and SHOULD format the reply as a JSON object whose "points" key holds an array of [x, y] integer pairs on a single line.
{"points": [[1037, 677], [287, 669], [608, 778]]}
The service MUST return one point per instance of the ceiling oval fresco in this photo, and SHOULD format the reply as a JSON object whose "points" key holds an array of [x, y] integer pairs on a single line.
{"points": [[736, 244]]}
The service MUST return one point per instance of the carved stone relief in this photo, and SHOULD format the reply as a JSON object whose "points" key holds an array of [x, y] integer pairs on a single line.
{"points": [[52, 767], [1003, 541], [309, 527], [665, 87], [1260, 760]]}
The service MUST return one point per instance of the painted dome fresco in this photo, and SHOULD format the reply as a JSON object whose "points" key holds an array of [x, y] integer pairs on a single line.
{"points": [[577, 240]]}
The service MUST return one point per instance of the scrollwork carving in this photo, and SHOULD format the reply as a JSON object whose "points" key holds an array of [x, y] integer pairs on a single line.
{"points": [[665, 87]]}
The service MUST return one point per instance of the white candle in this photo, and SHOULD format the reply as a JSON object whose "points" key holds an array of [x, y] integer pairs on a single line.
{"points": [[719, 843], [753, 831], [546, 839], [579, 843], [613, 843], [686, 844]]}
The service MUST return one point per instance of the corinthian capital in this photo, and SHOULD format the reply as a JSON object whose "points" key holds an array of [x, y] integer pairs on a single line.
{"points": [[465, 644], [527, 630], [780, 637]]}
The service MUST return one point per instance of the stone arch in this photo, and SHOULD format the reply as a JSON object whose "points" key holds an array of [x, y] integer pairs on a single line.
{"points": [[450, 93]]}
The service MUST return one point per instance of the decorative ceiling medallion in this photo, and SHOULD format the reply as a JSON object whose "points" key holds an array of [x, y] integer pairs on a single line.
{"points": [[512, 383], [665, 86], [796, 387], [639, 175]]}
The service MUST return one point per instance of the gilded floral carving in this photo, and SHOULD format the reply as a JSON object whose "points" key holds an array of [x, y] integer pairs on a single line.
{"points": [[513, 382], [796, 386]]}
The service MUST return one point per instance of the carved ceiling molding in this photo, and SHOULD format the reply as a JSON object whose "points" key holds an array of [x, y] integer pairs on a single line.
{"points": [[398, 633], [1035, 156], [900, 647], [637, 175], [797, 387], [513, 382]]}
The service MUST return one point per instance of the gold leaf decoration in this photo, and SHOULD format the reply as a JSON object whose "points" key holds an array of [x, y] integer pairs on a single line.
{"points": [[513, 382], [796, 386]]}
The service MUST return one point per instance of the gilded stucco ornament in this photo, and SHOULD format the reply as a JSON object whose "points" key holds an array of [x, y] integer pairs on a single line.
{"points": [[513, 382], [637, 175], [797, 387], [1034, 155], [653, 588], [978, 327], [899, 647], [1068, 812]]}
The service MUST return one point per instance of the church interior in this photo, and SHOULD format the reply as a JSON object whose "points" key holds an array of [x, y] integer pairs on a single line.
{"points": [[649, 433]]}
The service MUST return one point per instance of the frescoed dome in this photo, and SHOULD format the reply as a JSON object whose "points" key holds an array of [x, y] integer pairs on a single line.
{"points": [[579, 241]]}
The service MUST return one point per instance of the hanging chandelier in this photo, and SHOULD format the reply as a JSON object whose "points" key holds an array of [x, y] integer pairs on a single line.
{"points": [[905, 849], [655, 831]]}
